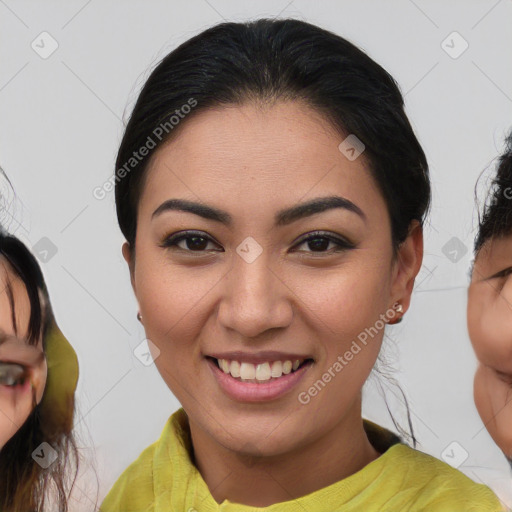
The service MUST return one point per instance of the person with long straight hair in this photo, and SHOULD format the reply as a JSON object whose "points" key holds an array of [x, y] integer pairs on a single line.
{"points": [[38, 377]]}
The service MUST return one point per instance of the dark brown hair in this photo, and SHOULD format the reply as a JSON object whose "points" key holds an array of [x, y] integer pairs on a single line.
{"points": [[496, 217], [268, 60], [25, 486]]}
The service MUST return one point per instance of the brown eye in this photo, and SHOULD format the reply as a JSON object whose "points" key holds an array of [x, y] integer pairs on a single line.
{"points": [[12, 374], [191, 241], [319, 242]]}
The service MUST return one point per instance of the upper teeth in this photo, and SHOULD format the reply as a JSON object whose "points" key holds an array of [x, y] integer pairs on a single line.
{"points": [[262, 371]]}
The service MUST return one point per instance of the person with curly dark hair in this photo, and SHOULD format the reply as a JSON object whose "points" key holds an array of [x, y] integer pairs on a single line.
{"points": [[489, 309]]}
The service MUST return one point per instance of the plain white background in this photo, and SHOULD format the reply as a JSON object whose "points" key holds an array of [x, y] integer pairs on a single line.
{"points": [[62, 120]]}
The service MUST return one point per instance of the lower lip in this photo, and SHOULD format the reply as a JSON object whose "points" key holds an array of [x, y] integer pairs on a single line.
{"points": [[253, 392]]}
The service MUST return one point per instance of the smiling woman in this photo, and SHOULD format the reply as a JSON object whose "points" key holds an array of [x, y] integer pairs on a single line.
{"points": [[278, 223], [489, 312]]}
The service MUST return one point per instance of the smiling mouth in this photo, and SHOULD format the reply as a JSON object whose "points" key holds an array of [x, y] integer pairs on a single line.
{"points": [[259, 373]]}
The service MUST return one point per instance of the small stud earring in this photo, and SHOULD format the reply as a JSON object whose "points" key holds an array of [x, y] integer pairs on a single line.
{"points": [[398, 309], [139, 317]]}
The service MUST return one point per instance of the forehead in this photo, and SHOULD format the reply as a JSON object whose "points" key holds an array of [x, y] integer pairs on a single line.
{"points": [[495, 251], [14, 301], [258, 156]]}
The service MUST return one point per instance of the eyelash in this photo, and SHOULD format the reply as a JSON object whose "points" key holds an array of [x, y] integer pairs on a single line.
{"points": [[502, 273], [342, 245]]}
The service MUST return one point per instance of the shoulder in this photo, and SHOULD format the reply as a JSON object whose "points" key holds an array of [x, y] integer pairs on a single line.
{"points": [[133, 491], [152, 474], [422, 481], [434, 484]]}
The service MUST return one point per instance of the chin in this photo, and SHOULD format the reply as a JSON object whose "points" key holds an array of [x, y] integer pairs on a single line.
{"points": [[273, 438], [260, 446]]}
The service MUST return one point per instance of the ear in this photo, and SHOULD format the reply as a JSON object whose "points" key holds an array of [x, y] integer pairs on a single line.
{"points": [[407, 265], [127, 255]]}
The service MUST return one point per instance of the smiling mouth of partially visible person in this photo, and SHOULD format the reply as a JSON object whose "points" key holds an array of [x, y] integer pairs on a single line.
{"points": [[258, 377]]}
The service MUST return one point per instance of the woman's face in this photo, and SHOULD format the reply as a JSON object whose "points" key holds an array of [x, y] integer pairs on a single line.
{"points": [[489, 319], [247, 287], [16, 389]]}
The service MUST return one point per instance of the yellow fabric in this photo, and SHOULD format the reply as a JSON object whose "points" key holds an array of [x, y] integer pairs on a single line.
{"points": [[62, 373], [164, 479]]}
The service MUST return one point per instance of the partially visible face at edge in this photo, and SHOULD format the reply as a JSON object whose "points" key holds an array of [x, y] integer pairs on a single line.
{"points": [[16, 402], [489, 319], [295, 297]]}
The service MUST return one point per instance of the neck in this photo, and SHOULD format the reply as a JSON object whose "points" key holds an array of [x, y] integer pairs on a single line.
{"points": [[264, 480]]}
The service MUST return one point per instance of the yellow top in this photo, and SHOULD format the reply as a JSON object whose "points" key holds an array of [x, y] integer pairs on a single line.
{"points": [[164, 479]]}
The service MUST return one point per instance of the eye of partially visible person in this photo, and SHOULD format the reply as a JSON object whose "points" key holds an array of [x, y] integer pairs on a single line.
{"points": [[12, 374], [23, 368], [500, 277]]}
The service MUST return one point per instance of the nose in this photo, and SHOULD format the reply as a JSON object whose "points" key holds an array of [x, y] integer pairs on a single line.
{"points": [[255, 298]]}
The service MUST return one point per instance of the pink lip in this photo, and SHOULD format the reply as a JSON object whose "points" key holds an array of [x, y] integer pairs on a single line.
{"points": [[253, 392], [259, 357]]}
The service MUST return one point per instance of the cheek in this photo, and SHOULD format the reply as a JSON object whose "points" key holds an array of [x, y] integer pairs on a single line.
{"points": [[16, 405], [474, 309], [490, 325], [347, 302], [345, 313], [173, 304], [492, 400], [349, 328]]}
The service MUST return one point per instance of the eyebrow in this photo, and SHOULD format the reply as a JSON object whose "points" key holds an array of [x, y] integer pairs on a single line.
{"points": [[282, 218]]}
